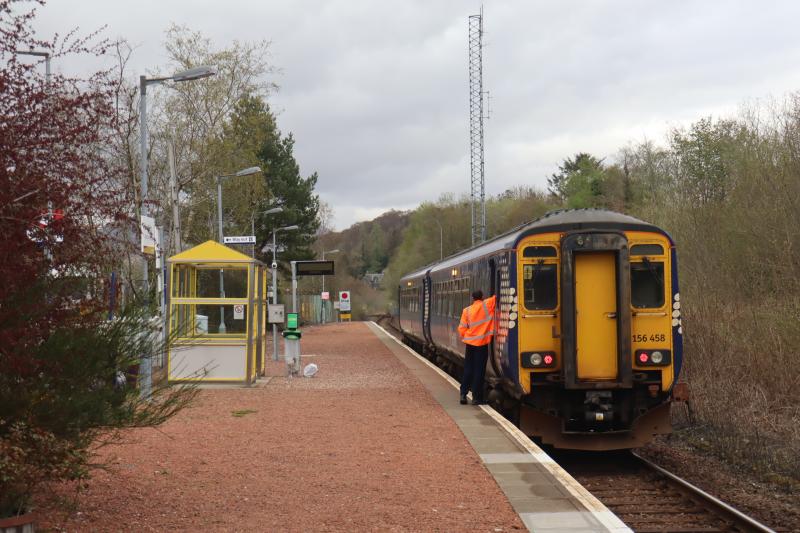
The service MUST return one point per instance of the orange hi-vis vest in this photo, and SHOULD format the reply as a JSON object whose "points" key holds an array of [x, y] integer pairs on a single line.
{"points": [[477, 322]]}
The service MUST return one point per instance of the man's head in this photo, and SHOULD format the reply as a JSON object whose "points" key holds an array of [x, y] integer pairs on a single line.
{"points": [[477, 295]]}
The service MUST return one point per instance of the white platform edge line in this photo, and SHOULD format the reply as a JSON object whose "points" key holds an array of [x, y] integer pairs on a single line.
{"points": [[593, 506]]}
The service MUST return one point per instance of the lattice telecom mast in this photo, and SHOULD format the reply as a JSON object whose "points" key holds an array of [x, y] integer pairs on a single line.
{"points": [[478, 186]]}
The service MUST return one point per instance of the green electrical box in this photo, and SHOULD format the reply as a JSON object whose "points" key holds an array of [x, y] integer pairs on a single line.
{"points": [[291, 320]]}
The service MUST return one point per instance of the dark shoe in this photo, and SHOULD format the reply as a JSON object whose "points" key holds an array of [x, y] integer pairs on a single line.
{"points": [[477, 402], [463, 399]]}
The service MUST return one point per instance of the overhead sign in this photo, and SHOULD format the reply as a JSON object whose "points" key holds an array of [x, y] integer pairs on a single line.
{"points": [[344, 301], [240, 239], [314, 268]]}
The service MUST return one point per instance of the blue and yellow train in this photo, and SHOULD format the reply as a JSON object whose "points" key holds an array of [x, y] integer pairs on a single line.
{"points": [[588, 346]]}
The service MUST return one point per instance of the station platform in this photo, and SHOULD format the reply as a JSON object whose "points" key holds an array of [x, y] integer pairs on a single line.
{"points": [[377, 440]]}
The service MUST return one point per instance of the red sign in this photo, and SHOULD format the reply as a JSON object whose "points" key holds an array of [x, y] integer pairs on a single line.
{"points": [[344, 296]]}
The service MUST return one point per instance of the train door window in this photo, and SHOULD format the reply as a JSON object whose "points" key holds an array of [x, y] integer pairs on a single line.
{"points": [[647, 284], [540, 286]]}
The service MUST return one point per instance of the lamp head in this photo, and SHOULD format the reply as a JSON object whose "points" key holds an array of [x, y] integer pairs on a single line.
{"points": [[196, 73], [248, 171]]}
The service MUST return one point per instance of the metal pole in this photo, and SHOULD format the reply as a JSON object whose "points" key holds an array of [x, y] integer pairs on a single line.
{"points": [[222, 329], [274, 299], [145, 387], [323, 290], [174, 194], [294, 288]]}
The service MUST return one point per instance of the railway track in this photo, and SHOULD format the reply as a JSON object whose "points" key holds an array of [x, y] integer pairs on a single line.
{"points": [[645, 496], [650, 499]]}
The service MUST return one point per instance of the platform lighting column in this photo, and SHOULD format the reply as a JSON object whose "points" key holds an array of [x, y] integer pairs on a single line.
{"points": [[186, 75], [324, 306], [275, 284], [245, 172]]}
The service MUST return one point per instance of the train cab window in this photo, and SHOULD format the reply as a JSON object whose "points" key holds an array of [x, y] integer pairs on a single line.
{"points": [[539, 251], [540, 286], [647, 249], [647, 284]]}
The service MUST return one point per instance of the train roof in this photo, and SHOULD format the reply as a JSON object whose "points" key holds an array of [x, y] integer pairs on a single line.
{"points": [[561, 221]]}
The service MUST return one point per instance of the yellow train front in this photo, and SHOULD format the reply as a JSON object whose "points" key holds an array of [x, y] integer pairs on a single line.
{"points": [[589, 335]]}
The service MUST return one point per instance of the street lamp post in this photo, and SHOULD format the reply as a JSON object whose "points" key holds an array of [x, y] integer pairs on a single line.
{"points": [[186, 75], [275, 284], [324, 305], [441, 240], [270, 211], [37, 53], [244, 172]]}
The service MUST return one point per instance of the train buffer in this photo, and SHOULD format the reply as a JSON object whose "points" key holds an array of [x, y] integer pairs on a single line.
{"points": [[376, 440]]}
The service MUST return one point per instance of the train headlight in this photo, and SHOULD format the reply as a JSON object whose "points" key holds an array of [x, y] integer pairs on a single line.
{"points": [[657, 357], [536, 359]]}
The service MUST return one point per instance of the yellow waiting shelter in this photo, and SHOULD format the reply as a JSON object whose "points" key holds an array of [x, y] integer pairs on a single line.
{"points": [[217, 315]]}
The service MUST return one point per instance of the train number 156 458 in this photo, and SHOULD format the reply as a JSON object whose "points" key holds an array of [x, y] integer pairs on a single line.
{"points": [[653, 337]]}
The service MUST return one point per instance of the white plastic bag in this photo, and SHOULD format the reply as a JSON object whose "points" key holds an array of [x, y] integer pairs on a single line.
{"points": [[310, 370]]}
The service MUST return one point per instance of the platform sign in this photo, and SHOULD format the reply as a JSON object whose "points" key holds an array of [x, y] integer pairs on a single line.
{"points": [[238, 312], [344, 301], [314, 268], [149, 235], [326, 295], [239, 239]]}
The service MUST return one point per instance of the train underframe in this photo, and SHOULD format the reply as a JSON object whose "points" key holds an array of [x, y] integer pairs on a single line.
{"points": [[579, 419]]}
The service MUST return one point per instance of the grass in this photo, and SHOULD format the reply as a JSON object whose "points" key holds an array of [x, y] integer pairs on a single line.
{"points": [[243, 412]]}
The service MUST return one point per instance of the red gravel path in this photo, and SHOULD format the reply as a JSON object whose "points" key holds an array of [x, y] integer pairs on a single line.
{"points": [[361, 446]]}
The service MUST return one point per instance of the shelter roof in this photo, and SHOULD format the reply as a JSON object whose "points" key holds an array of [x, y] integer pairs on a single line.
{"points": [[211, 252]]}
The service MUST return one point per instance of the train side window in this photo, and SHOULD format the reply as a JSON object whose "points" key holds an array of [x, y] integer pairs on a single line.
{"points": [[647, 249], [539, 251], [647, 284], [540, 286]]}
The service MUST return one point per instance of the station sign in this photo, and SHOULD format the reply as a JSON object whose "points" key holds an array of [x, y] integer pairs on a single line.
{"points": [[240, 239], [344, 301], [314, 268]]}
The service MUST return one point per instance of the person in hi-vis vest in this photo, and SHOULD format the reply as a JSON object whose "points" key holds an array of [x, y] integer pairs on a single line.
{"points": [[476, 330]]}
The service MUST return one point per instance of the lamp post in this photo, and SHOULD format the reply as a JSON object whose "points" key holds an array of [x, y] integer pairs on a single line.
{"points": [[324, 305], [244, 172], [271, 211], [186, 75], [441, 240], [37, 53], [275, 284]]}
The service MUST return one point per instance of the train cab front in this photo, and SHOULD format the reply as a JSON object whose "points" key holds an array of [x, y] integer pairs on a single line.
{"points": [[596, 356]]}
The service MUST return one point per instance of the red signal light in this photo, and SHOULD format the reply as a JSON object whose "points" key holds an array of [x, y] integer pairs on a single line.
{"points": [[643, 357], [548, 359]]}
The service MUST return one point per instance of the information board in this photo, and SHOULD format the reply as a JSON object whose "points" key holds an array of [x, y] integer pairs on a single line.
{"points": [[314, 268]]}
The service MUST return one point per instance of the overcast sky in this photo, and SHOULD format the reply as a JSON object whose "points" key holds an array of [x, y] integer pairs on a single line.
{"points": [[376, 92]]}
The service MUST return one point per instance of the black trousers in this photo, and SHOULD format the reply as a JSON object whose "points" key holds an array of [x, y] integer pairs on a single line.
{"points": [[475, 358]]}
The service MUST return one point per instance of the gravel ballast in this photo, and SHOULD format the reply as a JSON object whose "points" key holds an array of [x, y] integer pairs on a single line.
{"points": [[360, 446]]}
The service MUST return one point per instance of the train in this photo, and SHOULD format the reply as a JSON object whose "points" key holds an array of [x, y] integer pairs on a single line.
{"points": [[588, 345]]}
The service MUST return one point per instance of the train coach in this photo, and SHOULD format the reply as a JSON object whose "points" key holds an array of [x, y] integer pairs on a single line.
{"points": [[588, 343]]}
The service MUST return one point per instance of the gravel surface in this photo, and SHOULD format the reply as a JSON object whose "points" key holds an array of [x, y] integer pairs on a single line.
{"points": [[361, 446], [772, 506]]}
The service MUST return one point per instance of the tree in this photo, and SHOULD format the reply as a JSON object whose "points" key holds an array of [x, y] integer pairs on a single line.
{"points": [[63, 202]]}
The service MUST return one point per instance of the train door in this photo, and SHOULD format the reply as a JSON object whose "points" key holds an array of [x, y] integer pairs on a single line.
{"points": [[426, 309], [596, 315], [595, 320], [494, 283]]}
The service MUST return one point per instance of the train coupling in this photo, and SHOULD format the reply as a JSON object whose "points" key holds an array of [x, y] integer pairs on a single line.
{"points": [[599, 406]]}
